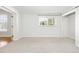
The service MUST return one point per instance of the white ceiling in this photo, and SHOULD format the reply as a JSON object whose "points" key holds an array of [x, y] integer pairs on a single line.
{"points": [[43, 10]]}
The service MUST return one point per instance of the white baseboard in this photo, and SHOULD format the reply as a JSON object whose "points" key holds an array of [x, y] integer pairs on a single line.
{"points": [[45, 37], [71, 38]]}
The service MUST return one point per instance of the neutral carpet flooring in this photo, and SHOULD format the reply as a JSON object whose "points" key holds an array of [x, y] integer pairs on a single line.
{"points": [[41, 45]]}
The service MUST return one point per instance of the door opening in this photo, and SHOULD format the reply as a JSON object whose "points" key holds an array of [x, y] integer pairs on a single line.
{"points": [[6, 28]]}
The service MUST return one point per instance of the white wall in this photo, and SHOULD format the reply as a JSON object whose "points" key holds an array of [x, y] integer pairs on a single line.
{"points": [[30, 27], [77, 27], [71, 26]]}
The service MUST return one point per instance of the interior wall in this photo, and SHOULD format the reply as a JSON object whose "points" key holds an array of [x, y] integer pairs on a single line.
{"points": [[30, 27], [77, 26], [71, 26]]}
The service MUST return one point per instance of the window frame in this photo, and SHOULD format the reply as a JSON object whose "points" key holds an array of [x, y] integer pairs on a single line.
{"points": [[3, 22]]}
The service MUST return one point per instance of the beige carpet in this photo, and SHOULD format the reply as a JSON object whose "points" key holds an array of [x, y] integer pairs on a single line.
{"points": [[41, 45]]}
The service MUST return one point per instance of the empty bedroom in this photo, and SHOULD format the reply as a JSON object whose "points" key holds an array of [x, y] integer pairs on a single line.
{"points": [[42, 29]]}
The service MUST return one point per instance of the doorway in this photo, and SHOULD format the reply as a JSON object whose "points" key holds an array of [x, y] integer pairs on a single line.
{"points": [[6, 27]]}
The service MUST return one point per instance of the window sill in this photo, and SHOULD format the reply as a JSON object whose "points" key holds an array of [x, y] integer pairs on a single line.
{"points": [[3, 30]]}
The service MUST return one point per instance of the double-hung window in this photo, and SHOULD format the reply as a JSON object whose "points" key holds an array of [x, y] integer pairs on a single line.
{"points": [[3, 23], [46, 20]]}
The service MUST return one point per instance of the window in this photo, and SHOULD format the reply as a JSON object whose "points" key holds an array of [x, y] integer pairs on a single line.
{"points": [[3, 22], [46, 20]]}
